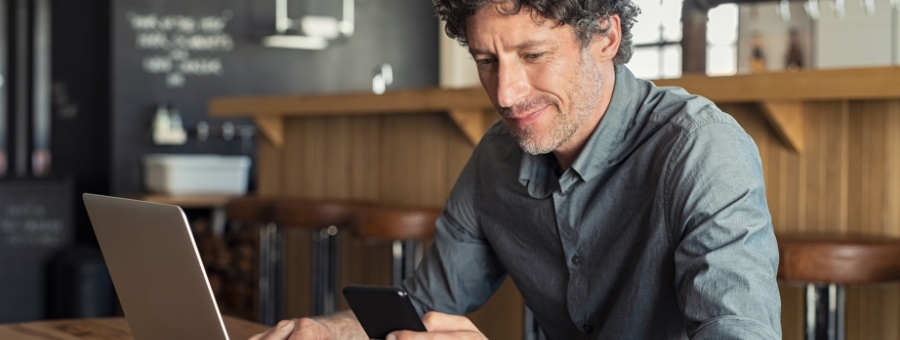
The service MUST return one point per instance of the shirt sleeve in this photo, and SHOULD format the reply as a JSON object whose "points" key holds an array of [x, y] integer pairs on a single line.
{"points": [[726, 255], [460, 271]]}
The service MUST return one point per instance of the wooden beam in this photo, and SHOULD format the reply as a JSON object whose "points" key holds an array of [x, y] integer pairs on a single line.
{"points": [[787, 119], [803, 85], [472, 122], [272, 127]]}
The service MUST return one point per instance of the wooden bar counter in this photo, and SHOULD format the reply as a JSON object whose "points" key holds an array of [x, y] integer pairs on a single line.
{"points": [[829, 142], [104, 328]]}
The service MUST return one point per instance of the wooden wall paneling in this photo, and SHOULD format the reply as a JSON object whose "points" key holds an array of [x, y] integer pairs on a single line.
{"points": [[459, 149], [818, 155], [879, 300], [792, 197], [812, 185], [365, 134], [837, 132], [394, 155], [857, 166], [431, 142], [876, 193], [268, 168], [892, 201], [337, 159]]}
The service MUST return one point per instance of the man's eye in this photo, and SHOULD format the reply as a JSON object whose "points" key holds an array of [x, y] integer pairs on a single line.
{"points": [[533, 56], [485, 61]]}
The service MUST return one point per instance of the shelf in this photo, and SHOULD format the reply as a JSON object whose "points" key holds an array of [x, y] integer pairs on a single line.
{"points": [[780, 96], [469, 108]]}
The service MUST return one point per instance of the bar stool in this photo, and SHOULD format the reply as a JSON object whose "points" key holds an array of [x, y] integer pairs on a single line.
{"points": [[323, 219], [406, 228], [259, 212], [824, 265]]}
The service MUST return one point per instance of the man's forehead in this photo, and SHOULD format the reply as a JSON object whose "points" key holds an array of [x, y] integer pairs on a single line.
{"points": [[520, 30]]}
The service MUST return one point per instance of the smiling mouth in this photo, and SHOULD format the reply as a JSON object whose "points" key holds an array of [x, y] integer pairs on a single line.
{"points": [[527, 117]]}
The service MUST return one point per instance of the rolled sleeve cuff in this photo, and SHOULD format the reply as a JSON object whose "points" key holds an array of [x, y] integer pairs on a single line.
{"points": [[734, 327]]}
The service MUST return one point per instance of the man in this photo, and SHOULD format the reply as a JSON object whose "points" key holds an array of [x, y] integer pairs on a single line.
{"points": [[620, 210]]}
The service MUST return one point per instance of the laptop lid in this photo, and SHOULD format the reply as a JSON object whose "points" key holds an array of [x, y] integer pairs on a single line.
{"points": [[156, 269]]}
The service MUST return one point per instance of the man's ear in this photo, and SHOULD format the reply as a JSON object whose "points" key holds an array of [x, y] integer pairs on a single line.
{"points": [[606, 46]]}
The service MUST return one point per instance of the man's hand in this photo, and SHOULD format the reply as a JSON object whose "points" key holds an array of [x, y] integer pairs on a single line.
{"points": [[305, 329], [441, 326]]}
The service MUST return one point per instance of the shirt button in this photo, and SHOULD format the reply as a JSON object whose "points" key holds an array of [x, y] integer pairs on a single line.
{"points": [[587, 328], [576, 260]]}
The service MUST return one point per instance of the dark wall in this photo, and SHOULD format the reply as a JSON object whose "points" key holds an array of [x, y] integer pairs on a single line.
{"points": [[80, 140], [402, 33]]}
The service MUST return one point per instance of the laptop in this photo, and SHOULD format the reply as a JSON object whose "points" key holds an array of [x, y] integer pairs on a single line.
{"points": [[156, 269]]}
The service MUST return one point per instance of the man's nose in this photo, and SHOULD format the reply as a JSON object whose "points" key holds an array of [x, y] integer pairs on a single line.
{"points": [[512, 84]]}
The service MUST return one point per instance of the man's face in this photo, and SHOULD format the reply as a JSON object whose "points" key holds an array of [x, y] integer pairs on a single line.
{"points": [[540, 80]]}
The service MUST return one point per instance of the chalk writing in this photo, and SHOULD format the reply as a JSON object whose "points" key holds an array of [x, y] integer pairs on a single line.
{"points": [[27, 224], [176, 44]]}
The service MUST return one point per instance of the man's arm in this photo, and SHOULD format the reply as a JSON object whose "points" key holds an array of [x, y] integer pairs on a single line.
{"points": [[340, 325], [726, 255]]}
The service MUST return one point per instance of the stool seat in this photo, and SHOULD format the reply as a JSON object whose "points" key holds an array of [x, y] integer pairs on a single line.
{"points": [[314, 215], [825, 264], [251, 209], [406, 228], [839, 260], [403, 224]]}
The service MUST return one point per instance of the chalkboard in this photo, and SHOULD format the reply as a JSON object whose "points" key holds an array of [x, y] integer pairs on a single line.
{"points": [[187, 52], [35, 223]]}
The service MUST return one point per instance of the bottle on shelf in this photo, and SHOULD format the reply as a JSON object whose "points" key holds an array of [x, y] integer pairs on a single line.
{"points": [[794, 57], [757, 56]]}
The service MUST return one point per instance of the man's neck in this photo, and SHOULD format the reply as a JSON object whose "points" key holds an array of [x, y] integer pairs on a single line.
{"points": [[568, 152]]}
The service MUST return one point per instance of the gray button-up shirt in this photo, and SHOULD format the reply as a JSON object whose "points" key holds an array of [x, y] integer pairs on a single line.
{"points": [[659, 230]]}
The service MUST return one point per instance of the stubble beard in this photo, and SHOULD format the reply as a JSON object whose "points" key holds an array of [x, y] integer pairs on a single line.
{"points": [[585, 96]]}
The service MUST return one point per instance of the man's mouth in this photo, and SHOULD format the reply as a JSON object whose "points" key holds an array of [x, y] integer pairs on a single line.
{"points": [[526, 117]]}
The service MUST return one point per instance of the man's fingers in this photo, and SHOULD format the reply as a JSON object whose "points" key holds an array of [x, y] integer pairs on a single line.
{"points": [[449, 335], [281, 331], [440, 322]]}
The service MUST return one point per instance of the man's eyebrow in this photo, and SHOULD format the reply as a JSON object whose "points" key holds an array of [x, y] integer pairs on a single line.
{"points": [[521, 46]]}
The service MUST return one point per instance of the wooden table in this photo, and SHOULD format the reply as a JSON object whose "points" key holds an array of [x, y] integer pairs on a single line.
{"points": [[105, 328]]}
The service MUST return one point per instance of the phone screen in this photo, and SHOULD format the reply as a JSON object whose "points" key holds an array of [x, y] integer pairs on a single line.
{"points": [[382, 310]]}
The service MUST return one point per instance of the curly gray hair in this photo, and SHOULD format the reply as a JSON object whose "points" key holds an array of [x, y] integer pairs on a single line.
{"points": [[585, 16]]}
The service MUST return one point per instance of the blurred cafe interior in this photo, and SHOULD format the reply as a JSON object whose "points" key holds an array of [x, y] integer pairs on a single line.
{"points": [[223, 106]]}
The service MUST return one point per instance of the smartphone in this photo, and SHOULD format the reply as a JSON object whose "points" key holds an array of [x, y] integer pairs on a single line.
{"points": [[382, 310]]}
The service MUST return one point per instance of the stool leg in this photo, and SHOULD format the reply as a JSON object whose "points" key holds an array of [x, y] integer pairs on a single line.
{"points": [[836, 308], [270, 281], [825, 312], [325, 270], [411, 250], [331, 267], [397, 263], [405, 257], [319, 249]]}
